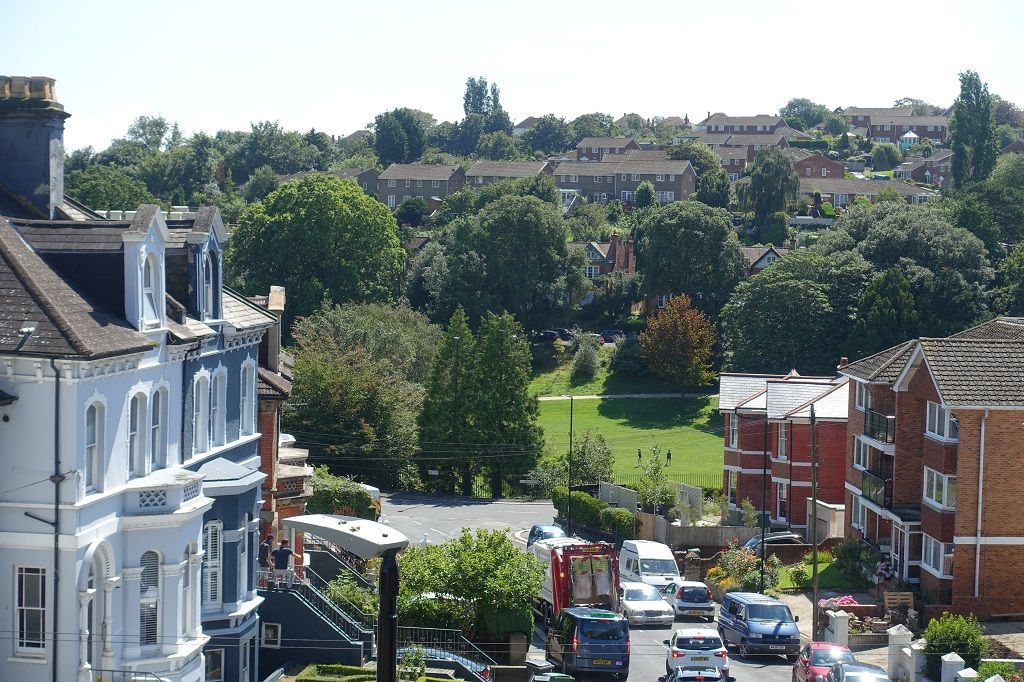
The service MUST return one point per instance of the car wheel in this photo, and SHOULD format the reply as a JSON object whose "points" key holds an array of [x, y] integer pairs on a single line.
{"points": [[725, 642], [744, 651], [792, 659]]}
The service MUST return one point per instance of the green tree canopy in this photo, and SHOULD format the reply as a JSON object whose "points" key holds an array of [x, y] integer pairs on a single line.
{"points": [[714, 189], [549, 136], [338, 495], [972, 132], [261, 183], [773, 183], [590, 125], [886, 315], [400, 136], [321, 238], [107, 188], [702, 157], [1008, 298], [645, 196], [885, 156], [810, 113], [413, 212]]}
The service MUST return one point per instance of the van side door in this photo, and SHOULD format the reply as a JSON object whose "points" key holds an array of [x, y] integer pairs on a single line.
{"points": [[727, 619]]}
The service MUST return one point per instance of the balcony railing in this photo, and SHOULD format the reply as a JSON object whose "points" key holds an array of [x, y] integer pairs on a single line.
{"points": [[877, 489], [879, 426]]}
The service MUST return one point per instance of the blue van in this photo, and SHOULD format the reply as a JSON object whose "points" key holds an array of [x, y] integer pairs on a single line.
{"points": [[589, 640], [758, 624]]}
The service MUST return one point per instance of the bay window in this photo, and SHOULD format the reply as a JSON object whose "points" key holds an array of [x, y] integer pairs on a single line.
{"points": [[941, 423], [937, 556], [939, 489]]}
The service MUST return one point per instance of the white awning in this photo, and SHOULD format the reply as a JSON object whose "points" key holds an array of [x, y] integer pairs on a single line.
{"points": [[365, 539]]}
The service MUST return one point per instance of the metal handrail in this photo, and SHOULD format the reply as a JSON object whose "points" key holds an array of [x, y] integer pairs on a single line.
{"points": [[448, 640], [876, 488], [323, 605], [105, 675], [366, 619], [881, 427], [353, 563]]}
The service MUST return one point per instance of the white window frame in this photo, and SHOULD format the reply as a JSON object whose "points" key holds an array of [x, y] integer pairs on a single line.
{"points": [[635, 177], [392, 201], [935, 552], [807, 171], [200, 415], [218, 408], [273, 642], [137, 440], [243, 559], [245, 661], [574, 178], [659, 177], [149, 598], [671, 177], [157, 458], [858, 515], [213, 554], [824, 172], [419, 183], [150, 294], [479, 179], [732, 487], [247, 419], [782, 500], [940, 423], [408, 184], [623, 177], [939, 489], [734, 430], [94, 445], [210, 655], [209, 305], [28, 643], [435, 184], [783, 452], [591, 271], [627, 195], [392, 183], [861, 454], [862, 397]]}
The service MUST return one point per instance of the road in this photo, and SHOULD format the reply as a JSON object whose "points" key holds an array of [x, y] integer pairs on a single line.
{"points": [[440, 518]]}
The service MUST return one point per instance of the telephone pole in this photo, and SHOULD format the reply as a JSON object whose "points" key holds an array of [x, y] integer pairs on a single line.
{"points": [[764, 497], [814, 523]]}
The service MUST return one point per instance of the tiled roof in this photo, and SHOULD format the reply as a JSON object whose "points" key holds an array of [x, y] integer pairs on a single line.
{"points": [[601, 247], [587, 168], [788, 393], [798, 154], [759, 120], [1000, 328], [712, 138], [507, 169], [604, 142], [858, 187], [735, 388], [747, 139], [417, 243], [241, 313], [834, 403], [674, 121], [418, 171], [637, 155], [756, 253], [882, 367], [977, 372], [878, 111], [528, 122], [271, 385], [649, 166], [725, 153], [33, 295], [908, 120]]}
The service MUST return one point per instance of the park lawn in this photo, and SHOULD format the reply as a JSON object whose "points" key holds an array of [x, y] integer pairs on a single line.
{"points": [[828, 578], [557, 380], [690, 427]]}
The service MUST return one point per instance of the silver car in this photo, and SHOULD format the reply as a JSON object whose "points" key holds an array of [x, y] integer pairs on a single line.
{"points": [[690, 598], [642, 604], [698, 648]]}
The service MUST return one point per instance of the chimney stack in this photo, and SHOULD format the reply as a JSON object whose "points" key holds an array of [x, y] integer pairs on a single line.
{"points": [[843, 362], [32, 141]]}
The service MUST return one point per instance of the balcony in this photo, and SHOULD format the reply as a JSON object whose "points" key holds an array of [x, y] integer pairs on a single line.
{"points": [[879, 426], [877, 489]]}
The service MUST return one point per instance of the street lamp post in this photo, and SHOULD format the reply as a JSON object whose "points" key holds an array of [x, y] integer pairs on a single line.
{"points": [[568, 461]]}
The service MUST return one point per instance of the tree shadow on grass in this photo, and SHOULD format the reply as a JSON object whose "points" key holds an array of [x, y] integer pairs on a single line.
{"points": [[662, 413]]}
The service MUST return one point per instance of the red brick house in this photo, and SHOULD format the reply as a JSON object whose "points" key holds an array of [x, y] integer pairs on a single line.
{"points": [[760, 257], [734, 161], [767, 433], [860, 117], [602, 181], [892, 128], [487, 172], [762, 123], [594, 148], [843, 191], [817, 166], [402, 181], [594, 180], [615, 255], [933, 462], [935, 169]]}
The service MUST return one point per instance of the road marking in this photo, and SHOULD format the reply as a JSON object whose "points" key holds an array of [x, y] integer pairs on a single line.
{"points": [[416, 522], [440, 532]]}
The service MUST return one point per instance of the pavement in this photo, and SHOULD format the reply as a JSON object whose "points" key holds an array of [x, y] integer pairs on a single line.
{"points": [[629, 395]]}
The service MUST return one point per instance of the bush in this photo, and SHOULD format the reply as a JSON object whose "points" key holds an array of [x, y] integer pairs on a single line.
{"points": [[885, 156], [618, 521], [853, 560], [586, 509], [799, 574], [322, 672], [740, 569], [1004, 669], [962, 634], [824, 557], [749, 513], [628, 359], [828, 210], [560, 499], [344, 589], [585, 363]]}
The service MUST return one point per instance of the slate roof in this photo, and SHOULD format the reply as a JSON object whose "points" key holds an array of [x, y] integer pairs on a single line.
{"points": [[604, 142], [637, 155], [271, 385], [755, 253], [655, 166], [507, 169], [66, 324], [418, 171], [747, 139], [736, 388], [858, 187], [587, 168], [241, 313], [977, 372], [882, 367], [878, 111], [909, 120], [528, 122], [789, 392], [1011, 328], [758, 120], [725, 153]]}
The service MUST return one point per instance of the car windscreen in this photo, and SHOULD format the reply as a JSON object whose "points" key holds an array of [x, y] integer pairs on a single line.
{"points": [[642, 593], [830, 656], [658, 567], [553, 533], [603, 630], [698, 595], [776, 613], [698, 643]]}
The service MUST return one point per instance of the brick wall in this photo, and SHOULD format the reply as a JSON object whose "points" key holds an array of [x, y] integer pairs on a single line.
{"points": [[268, 448], [907, 472]]}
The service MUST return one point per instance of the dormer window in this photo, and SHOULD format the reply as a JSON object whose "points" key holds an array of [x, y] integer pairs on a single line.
{"points": [[208, 307], [150, 292]]}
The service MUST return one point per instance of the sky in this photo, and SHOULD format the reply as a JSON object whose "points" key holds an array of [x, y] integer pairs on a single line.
{"points": [[217, 64]]}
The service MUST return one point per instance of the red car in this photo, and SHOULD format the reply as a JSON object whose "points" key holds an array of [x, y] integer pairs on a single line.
{"points": [[817, 658]]}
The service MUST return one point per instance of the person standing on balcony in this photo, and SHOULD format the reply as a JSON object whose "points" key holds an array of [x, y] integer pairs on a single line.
{"points": [[263, 560], [281, 556]]}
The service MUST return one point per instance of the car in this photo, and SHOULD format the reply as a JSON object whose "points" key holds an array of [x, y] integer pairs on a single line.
{"points": [[589, 640], [596, 337], [817, 658], [563, 333], [693, 675], [779, 538], [690, 598], [857, 672], [543, 532], [642, 604], [699, 648], [608, 335], [757, 624], [546, 336]]}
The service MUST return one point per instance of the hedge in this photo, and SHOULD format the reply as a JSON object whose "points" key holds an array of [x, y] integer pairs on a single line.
{"points": [[586, 509], [619, 521], [331, 672], [809, 144], [560, 499]]}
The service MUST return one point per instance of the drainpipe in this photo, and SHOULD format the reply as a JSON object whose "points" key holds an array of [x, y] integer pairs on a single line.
{"points": [[57, 478], [977, 530]]}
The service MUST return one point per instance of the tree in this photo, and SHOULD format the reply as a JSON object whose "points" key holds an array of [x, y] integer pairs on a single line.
{"points": [[972, 132], [413, 212], [645, 196], [499, 146], [584, 362], [591, 125], [549, 136], [654, 489], [886, 315], [338, 495], [261, 183], [615, 293], [592, 459], [773, 183], [478, 99], [677, 344], [1008, 298], [702, 157], [835, 124], [1008, 172], [321, 238], [962, 635], [447, 422], [149, 132], [400, 136], [918, 107], [885, 156], [713, 189], [804, 109], [107, 188], [689, 248], [1005, 112], [468, 134], [888, 194], [505, 413]]}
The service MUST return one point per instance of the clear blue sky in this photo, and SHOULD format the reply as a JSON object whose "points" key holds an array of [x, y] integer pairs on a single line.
{"points": [[333, 65]]}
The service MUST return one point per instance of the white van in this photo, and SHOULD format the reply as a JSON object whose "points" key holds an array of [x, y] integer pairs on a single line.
{"points": [[646, 561]]}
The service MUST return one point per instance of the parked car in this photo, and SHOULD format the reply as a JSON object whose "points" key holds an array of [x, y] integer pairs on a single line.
{"points": [[779, 538], [857, 672], [563, 333], [546, 336], [589, 640], [689, 598], [543, 532], [699, 648], [608, 335], [596, 337], [693, 675], [758, 624], [642, 604], [817, 658]]}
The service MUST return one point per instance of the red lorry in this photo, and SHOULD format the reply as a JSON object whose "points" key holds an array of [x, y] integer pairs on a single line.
{"points": [[577, 573]]}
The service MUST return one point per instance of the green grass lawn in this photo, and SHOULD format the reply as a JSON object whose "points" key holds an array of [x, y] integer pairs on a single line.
{"points": [[691, 428], [552, 379], [828, 578]]}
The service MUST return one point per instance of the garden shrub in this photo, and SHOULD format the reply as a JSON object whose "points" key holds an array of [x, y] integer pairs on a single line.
{"points": [[799, 574], [824, 557], [585, 362], [330, 672], [740, 569], [962, 634], [560, 499], [1005, 669], [628, 359], [586, 509], [618, 521], [749, 513], [853, 560], [345, 589]]}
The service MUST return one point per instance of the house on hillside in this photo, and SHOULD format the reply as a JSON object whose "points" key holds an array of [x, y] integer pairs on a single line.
{"points": [[892, 128], [487, 172], [604, 258], [934, 170], [843, 191], [401, 181], [933, 461], [734, 161], [1015, 147], [366, 178], [817, 166], [762, 123], [594, 148], [528, 123], [860, 117], [767, 427], [672, 180], [594, 180], [760, 257]]}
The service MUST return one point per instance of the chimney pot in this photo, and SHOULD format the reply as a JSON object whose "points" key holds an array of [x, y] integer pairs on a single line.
{"points": [[843, 362]]}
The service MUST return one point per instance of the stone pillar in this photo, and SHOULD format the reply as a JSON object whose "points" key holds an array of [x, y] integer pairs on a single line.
{"points": [[84, 667], [108, 621], [130, 598], [917, 660], [840, 626], [195, 565], [170, 615], [971, 675], [951, 665], [899, 639]]}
